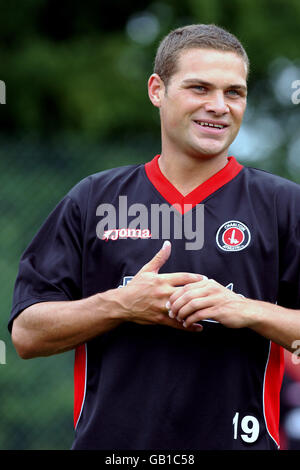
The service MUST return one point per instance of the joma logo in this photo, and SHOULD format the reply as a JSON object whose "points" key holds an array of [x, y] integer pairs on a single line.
{"points": [[114, 234]]}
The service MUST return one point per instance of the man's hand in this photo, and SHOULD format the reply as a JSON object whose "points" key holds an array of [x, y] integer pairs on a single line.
{"points": [[208, 299], [145, 297]]}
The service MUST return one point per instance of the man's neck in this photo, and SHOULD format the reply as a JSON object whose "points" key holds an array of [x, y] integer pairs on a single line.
{"points": [[186, 174]]}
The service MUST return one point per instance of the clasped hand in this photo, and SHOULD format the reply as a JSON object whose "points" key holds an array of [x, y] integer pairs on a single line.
{"points": [[181, 300]]}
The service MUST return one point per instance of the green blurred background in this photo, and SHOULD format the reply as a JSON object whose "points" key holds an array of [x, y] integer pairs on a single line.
{"points": [[76, 103]]}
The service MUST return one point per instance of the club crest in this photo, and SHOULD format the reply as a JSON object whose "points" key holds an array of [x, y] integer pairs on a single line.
{"points": [[233, 236]]}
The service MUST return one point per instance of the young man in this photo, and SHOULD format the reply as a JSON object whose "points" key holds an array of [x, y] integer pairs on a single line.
{"points": [[183, 351]]}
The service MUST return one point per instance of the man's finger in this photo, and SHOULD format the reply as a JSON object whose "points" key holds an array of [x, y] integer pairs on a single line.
{"points": [[158, 260], [180, 279], [180, 326], [182, 310], [181, 290]]}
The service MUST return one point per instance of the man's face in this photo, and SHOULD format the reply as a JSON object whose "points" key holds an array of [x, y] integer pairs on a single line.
{"points": [[208, 88]]}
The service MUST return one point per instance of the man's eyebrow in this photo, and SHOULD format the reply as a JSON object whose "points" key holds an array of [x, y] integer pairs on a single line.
{"points": [[198, 81], [238, 86]]}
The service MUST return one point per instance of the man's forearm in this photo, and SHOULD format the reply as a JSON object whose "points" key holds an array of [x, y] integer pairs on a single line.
{"points": [[207, 299], [48, 328], [280, 324]]}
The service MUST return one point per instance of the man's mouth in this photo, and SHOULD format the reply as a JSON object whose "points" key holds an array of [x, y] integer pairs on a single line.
{"points": [[210, 127], [211, 124]]}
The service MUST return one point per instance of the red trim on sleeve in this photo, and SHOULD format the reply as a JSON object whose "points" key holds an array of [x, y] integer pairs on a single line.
{"points": [[79, 381], [272, 385], [173, 196]]}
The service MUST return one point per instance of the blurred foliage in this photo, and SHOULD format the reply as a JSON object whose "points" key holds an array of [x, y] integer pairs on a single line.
{"points": [[76, 76], [72, 66]]}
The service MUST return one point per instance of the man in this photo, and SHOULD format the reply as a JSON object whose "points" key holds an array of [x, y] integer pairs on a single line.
{"points": [[184, 351]]}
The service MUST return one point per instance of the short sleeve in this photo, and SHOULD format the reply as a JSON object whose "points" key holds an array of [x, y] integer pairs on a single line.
{"points": [[289, 248], [50, 268]]}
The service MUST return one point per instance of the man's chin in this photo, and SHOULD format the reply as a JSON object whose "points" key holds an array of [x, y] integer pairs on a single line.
{"points": [[210, 152]]}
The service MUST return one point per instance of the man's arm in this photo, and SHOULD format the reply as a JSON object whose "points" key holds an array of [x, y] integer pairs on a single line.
{"points": [[279, 324], [48, 328], [208, 299]]}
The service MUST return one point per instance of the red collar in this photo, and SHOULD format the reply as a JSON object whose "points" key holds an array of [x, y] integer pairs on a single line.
{"points": [[173, 196]]}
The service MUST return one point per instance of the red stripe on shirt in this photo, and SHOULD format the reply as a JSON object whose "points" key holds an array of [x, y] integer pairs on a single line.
{"points": [[79, 381], [272, 385]]}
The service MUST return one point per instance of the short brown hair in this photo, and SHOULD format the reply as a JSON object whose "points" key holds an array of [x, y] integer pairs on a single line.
{"points": [[205, 36]]}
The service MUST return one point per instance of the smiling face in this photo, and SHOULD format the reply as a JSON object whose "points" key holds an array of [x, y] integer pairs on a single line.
{"points": [[203, 105]]}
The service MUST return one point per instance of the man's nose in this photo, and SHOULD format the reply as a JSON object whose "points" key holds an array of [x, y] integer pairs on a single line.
{"points": [[217, 104]]}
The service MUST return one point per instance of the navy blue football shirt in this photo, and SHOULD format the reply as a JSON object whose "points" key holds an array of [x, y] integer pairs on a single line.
{"points": [[157, 387]]}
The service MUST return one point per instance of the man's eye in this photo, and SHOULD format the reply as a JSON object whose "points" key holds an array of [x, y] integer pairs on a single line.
{"points": [[233, 92], [199, 88]]}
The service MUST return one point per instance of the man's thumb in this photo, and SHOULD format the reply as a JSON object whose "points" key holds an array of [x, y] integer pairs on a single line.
{"points": [[158, 260]]}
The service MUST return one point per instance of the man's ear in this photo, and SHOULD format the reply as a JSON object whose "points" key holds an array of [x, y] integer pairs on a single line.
{"points": [[156, 89]]}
